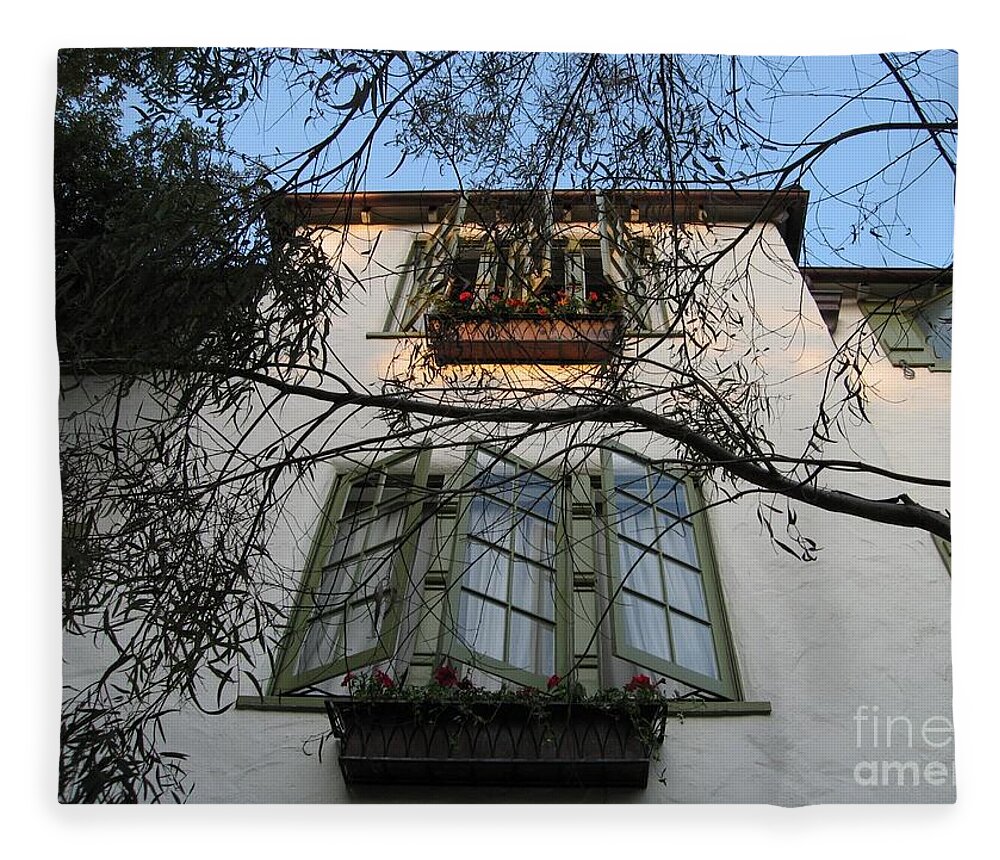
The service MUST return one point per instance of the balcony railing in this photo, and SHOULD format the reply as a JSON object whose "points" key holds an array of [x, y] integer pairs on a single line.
{"points": [[491, 743], [587, 338]]}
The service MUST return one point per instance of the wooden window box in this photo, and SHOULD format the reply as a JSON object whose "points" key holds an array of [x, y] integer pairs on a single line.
{"points": [[524, 339], [493, 743]]}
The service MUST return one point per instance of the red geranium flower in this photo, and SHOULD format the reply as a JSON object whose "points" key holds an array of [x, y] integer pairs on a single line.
{"points": [[542, 312], [383, 679], [554, 682], [594, 297], [638, 682], [465, 296], [445, 676]]}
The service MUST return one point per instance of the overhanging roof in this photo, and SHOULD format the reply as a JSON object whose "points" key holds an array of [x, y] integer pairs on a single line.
{"points": [[785, 207]]}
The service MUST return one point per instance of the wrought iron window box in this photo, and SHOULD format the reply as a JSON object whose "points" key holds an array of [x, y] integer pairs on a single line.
{"points": [[484, 743], [524, 338]]}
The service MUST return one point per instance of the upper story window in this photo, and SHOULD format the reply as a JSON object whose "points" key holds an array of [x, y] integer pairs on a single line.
{"points": [[523, 254], [540, 573], [915, 333]]}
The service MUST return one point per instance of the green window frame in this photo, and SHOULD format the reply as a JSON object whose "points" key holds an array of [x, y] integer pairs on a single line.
{"points": [[347, 582], [507, 571], [652, 524], [907, 332]]}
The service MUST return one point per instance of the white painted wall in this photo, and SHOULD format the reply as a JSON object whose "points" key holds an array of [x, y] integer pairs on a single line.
{"points": [[864, 630]]}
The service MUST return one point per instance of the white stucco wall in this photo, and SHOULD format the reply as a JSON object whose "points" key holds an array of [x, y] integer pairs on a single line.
{"points": [[836, 645]]}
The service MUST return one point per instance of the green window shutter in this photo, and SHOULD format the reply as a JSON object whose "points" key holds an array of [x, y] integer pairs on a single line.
{"points": [[896, 328], [347, 611], [620, 259], [433, 266], [509, 588], [402, 296], [667, 609]]}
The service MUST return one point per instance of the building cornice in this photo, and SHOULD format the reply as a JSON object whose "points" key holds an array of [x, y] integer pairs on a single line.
{"points": [[785, 207]]}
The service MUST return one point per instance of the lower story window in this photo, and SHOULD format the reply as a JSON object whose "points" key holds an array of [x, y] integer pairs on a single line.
{"points": [[524, 545]]}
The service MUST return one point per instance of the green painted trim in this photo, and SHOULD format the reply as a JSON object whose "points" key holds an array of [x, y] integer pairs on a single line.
{"points": [[728, 683], [394, 335], [449, 645], [286, 677], [718, 709], [899, 335], [685, 709], [301, 704]]}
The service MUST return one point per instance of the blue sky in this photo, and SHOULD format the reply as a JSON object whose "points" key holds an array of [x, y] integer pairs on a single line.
{"points": [[911, 226]]}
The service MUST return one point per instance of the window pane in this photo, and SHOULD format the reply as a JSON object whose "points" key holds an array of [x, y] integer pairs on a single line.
{"points": [[532, 589], [535, 539], [693, 642], [361, 630], [486, 570], [385, 528], [645, 625], [677, 540], [635, 520], [481, 625], [935, 321], [669, 493], [338, 634], [640, 570], [684, 590], [371, 573], [494, 476], [629, 475], [536, 494], [321, 639], [532, 645], [490, 521], [335, 587]]}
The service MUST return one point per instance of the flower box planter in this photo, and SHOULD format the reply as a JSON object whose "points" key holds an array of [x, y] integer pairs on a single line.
{"points": [[524, 339], [491, 743]]}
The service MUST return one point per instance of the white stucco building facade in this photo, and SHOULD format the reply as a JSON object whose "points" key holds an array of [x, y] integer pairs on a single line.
{"points": [[820, 681]]}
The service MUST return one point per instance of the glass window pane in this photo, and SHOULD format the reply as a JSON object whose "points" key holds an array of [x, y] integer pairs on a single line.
{"points": [[535, 539], [536, 494], [361, 629], [321, 640], [693, 642], [629, 475], [385, 528], [532, 589], [371, 573], [481, 625], [669, 493], [395, 490], [350, 539], [677, 539], [645, 625], [640, 570], [532, 645], [935, 321], [634, 520], [486, 570], [335, 587], [494, 476], [685, 591], [490, 521]]}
